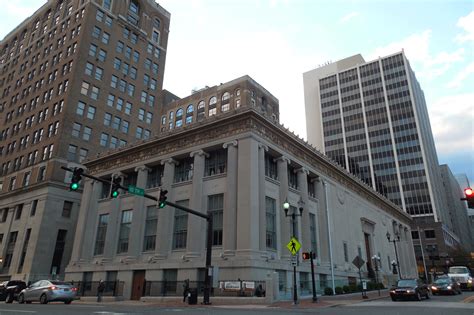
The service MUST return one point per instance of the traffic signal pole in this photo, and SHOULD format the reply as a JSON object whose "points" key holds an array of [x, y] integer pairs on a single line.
{"points": [[207, 279], [315, 296]]}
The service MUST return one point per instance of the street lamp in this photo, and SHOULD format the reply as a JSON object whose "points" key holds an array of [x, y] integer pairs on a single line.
{"points": [[293, 215], [376, 260], [394, 241]]}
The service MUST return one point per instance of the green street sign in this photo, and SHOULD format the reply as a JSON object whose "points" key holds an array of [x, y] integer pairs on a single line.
{"points": [[136, 190]]}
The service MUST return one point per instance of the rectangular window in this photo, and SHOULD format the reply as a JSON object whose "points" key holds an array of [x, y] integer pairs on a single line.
{"points": [[4, 216], [107, 119], [91, 112], [270, 215], [124, 234], [24, 250], [80, 108], [34, 205], [10, 249], [76, 130], [101, 233], [86, 135], [96, 32], [67, 209], [151, 226], [18, 211], [312, 231], [430, 234], [346, 253], [89, 68], [71, 153], [216, 162], [180, 230], [82, 154], [215, 208], [104, 140]]}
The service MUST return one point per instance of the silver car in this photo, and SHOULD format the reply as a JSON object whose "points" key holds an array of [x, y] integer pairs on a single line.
{"points": [[46, 291]]}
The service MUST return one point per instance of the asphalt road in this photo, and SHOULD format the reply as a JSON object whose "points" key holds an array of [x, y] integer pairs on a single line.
{"points": [[437, 305]]}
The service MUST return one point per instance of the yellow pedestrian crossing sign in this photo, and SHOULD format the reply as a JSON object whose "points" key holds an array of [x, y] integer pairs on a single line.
{"points": [[293, 246]]}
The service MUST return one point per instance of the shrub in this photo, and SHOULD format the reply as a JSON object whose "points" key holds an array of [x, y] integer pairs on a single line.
{"points": [[338, 290], [370, 286], [346, 289], [327, 291], [353, 288]]}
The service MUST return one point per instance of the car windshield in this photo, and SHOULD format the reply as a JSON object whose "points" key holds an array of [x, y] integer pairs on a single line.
{"points": [[458, 270], [15, 283], [443, 281], [406, 283]]}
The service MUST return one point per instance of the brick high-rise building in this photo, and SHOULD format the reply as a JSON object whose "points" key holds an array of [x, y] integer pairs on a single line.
{"points": [[77, 78]]}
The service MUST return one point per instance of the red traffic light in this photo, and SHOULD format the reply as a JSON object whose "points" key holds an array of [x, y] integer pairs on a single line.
{"points": [[306, 255], [469, 192]]}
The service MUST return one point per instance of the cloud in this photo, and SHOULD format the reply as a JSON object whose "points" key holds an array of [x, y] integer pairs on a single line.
{"points": [[417, 49], [452, 122], [346, 18], [461, 76], [467, 24]]}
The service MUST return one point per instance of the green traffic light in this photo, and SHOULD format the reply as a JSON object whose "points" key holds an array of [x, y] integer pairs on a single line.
{"points": [[161, 205], [115, 194], [74, 186]]}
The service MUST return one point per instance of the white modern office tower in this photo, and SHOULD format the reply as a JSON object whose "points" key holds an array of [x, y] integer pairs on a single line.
{"points": [[372, 118]]}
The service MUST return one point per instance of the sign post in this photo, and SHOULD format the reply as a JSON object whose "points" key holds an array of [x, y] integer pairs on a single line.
{"points": [[359, 262], [294, 246]]}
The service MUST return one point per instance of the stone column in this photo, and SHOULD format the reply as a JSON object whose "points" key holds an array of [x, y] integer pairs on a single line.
{"points": [[323, 249], [304, 219], [229, 240], [165, 216], [139, 214], [197, 226], [261, 208], [113, 227], [84, 243], [248, 197], [283, 237]]}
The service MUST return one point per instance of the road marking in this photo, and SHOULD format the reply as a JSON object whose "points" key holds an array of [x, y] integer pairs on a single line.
{"points": [[17, 311], [469, 299]]}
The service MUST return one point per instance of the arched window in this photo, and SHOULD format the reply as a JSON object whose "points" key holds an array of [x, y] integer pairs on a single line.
{"points": [[212, 106], [156, 23], [179, 118], [189, 114], [163, 120], [201, 110], [225, 102], [133, 15]]}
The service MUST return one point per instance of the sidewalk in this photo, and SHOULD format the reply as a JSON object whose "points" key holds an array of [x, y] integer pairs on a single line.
{"points": [[333, 300], [303, 303]]}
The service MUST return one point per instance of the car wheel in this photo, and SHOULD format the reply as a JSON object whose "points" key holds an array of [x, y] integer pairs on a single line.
{"points": [[9, 298], [418, 296], [67, 302], [43, 299], [21, 299], [427, 296]]}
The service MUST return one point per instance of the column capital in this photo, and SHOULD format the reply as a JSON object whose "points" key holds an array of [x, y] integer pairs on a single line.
{"points": [[169, 161], [302, 170], [199, 153], [282, 159], [142, 168], [230, 143], [263, 146], [315, 179]]}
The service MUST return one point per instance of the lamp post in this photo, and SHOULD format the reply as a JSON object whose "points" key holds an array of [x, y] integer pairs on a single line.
{"points": [[293, 215], [376, 260], [395, 239]]}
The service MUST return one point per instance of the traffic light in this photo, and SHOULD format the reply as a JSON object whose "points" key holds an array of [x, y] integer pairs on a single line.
{"points": [[162, 198], [469, 197], [307, 255], [76, 178], [114, 192]]}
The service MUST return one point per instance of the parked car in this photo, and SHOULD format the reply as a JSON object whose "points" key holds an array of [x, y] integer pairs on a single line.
{"points": [[462, 275], [46, 291], [409, 289], [445, 285], [9, 290]]}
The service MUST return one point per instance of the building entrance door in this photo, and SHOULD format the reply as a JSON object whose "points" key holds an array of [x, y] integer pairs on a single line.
{"points": [[138, 284]]}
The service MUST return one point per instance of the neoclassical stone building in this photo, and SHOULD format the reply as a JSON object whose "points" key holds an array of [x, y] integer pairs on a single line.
{"points": [[238, 163]]}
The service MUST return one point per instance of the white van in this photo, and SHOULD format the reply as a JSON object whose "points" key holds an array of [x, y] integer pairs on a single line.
{"points": [[462, 275]]}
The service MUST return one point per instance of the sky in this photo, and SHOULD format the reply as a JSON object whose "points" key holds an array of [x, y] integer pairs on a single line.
{"points": [[276, 41]]}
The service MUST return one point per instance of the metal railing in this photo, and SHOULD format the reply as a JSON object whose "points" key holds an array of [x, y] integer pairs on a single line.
{"points": [[89, 288], [176, 288]]}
